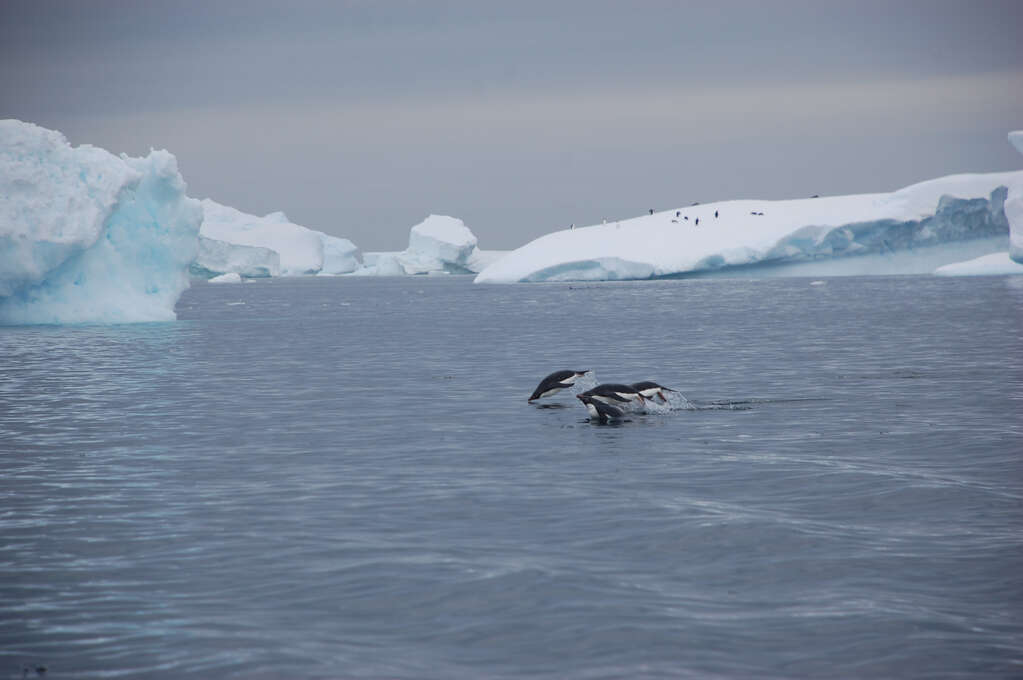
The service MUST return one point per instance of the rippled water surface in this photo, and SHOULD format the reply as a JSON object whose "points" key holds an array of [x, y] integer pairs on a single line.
{"points": [[327, 478]]}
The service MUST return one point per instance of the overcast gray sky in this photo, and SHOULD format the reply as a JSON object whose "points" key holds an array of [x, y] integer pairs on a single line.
{"points": [[360, 118]]}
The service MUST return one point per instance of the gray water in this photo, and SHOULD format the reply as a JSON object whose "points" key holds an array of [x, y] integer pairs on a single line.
{"points": [[342, 478]]}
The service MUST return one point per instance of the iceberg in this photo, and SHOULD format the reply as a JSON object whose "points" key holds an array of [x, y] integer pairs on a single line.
{"points": [[995, 264], [437, 245], [958, 209], [220, 257], [1014, 207], [254, 247], [340, 256], [300, 249], [380, 264], [86, 236]]}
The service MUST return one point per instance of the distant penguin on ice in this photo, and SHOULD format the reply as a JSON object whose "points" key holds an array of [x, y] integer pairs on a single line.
{"points": [[598, 410], [555, 382]]}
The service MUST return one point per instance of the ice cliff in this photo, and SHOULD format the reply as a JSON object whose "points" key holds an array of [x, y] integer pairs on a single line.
{"points": [[959, 209], [437, 245], [220, 257], [299, 250], [1014, 207], [252, 246], [340, 256], [86, 236]]}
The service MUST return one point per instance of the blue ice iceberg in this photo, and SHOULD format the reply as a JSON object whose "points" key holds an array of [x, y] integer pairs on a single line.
{"points": [[86, 236]]}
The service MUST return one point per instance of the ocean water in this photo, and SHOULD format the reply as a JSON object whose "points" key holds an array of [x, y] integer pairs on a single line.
{"points": [[341, 478]]}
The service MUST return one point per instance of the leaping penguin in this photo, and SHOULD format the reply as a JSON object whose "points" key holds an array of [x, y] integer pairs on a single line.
{"points": [[598, 410], [614, 392], [555, 382], [650, 389]]}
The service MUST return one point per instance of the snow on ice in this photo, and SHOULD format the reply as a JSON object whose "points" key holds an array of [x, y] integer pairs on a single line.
{"points": [[86, 236], [965, 209]]}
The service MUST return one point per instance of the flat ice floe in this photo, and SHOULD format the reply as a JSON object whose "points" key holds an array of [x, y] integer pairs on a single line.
{"points": [[948, 210]]}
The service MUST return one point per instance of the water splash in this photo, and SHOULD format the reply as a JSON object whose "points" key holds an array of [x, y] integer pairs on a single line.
{"points": [[673, 401]]}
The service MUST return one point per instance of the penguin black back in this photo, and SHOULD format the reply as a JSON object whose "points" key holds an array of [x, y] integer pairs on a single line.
{"points": [[555, 382]]}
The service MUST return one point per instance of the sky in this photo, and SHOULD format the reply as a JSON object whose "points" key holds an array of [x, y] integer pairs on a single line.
{"points": [[359, 119]]}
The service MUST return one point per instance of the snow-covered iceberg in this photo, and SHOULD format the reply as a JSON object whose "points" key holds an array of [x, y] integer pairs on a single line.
{"points": [[252, 246], [437, 245], [86, 236], [300, 249], [713, 236]]}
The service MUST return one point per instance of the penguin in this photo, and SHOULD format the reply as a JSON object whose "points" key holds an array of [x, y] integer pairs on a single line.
{"points": [[651, 211], [715, 214], [697, 223], [649, 389], [678, 213], [555, 382], [614, 392], [598, 410]]}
